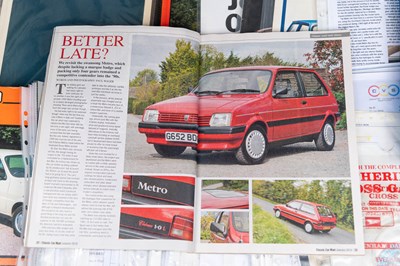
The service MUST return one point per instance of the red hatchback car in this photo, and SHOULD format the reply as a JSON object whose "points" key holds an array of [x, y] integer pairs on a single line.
{"points": [[245, 110], [312, 216]]}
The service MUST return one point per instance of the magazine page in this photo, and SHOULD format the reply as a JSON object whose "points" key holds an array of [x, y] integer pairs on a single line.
{"points": [[227, 16], [378, 124], [11, 175], [258, 196], [94, 186], [374, 27]]}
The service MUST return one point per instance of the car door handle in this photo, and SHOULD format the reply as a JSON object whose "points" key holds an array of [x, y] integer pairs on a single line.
{"points": [[303, 102]]}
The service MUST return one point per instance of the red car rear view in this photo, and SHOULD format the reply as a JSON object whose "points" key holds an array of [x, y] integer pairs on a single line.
{"points": [[312, 216], [156, 223], [158, 190], [245, 110]]}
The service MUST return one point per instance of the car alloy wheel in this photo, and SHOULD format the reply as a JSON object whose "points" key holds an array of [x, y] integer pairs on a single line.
{"points": [[329, 134], [326, 137], [278, 214], [308, 227], [169, 151], [254, 146], [17, 221]]}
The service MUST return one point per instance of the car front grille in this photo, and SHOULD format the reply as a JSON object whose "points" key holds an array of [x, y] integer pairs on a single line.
{"points": [[177, 118], [202, 121]]}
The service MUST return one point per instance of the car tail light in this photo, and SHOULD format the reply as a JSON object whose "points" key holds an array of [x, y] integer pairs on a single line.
{"points": [[182, 228], [126, 183]]}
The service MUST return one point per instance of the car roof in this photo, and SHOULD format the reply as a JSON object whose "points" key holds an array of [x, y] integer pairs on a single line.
{"points": [[261, 68], [219, 193], [4, 152], [309, 202]]}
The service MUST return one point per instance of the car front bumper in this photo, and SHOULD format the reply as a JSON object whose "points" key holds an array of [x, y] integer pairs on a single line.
{"points": [[209, 138]]}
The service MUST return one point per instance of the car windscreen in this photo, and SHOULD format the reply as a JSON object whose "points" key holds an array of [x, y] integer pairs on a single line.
{"points": [[234, 82], [324, 211], [240, 221], [16, 165]]}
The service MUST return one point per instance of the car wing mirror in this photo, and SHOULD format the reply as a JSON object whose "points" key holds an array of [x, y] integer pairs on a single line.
{"points": [[190, 89], [278, 91], [217, 228], [2, 175]]}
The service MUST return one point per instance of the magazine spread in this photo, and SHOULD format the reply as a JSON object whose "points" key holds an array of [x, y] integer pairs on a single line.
{"points": [[256, 156]]}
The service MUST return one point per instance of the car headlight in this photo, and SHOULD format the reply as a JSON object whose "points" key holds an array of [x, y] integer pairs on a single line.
{"points": [[221, 120], [150, 116]]}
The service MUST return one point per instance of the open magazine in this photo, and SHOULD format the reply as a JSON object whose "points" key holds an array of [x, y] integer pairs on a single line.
{"points": [[159, 138]]}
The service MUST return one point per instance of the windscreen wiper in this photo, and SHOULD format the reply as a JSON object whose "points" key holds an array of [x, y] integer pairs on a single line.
{"points": [[206, 92], [239, 90]]}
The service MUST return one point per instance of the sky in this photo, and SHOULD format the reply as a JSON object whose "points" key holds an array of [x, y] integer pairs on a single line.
{"points": [[150, 50]]}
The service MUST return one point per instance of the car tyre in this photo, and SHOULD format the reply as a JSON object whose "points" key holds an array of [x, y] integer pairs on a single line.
{"points": [[169, 151], [326, 137], [254, 146], [308, 228], [17, 221], [278, 214]]}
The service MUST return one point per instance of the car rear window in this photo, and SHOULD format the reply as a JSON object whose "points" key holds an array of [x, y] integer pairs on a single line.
{"points": [[324, 211], [240, 221], [312, 85], [307, 208]]}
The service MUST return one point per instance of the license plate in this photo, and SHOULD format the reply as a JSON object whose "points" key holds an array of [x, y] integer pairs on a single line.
{"points": [[326, 228], [181, 137]]}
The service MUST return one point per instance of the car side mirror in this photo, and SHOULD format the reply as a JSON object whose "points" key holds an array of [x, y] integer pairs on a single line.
{"points": [[279, 91], [2, 174], [190, 89], [217, 228]]}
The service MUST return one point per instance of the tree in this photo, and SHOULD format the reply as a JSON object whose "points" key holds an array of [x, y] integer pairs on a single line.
{"points": [[144, 77], [179, 71], [10, 137], [236, 184], [146, 86], [184, 14], [282, 191], [328, 55]]}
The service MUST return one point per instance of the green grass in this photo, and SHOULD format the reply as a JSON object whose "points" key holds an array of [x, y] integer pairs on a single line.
{"points": [[268, 229]]}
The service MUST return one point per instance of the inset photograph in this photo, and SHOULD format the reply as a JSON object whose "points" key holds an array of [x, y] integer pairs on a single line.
{"points": [[225, 194], [156, 223], [225, 227], [158, 190], [303, 212]]}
